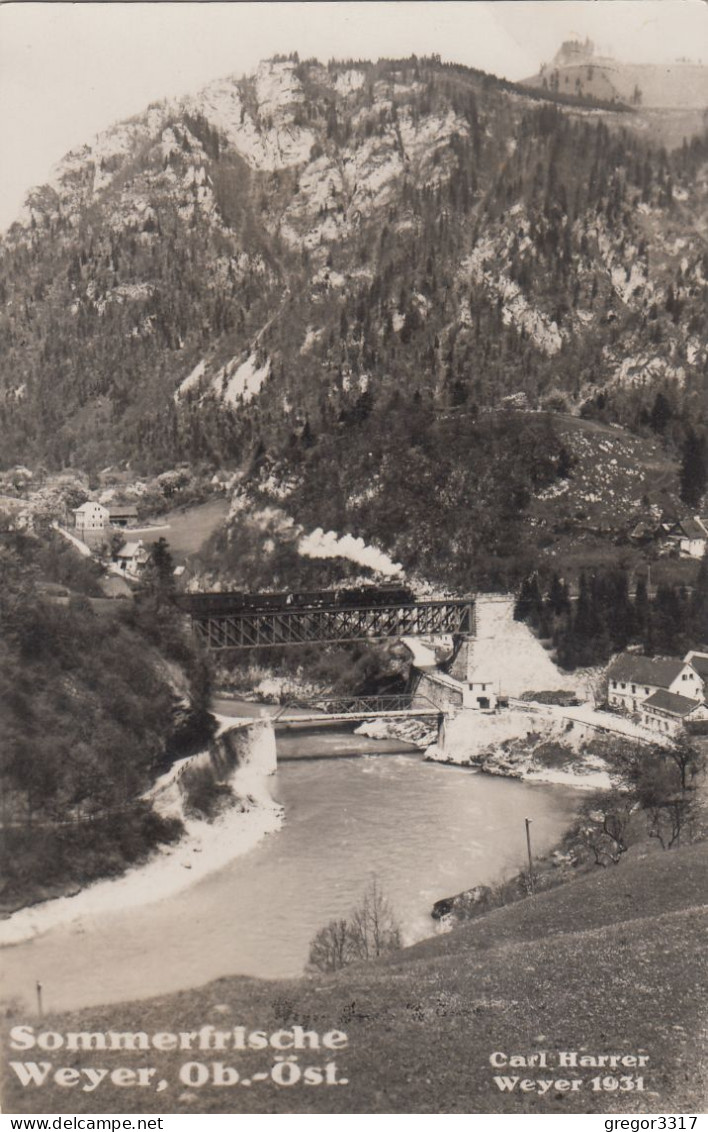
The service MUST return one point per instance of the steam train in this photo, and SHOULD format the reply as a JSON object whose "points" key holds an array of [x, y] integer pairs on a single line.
{"points": [[209, 604]]}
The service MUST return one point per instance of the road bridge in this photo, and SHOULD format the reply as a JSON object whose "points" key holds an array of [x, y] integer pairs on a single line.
{"points": [[293, 624], [346, 709], [328, 710]]}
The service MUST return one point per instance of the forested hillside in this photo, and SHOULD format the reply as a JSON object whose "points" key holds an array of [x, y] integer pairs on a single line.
{"points": [[90, 713], [357, 285], [251, 268]]}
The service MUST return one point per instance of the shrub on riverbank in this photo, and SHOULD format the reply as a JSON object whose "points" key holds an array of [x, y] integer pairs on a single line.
{"points": [[371, 931], [45, 861], [204, 796], [655, 796]]}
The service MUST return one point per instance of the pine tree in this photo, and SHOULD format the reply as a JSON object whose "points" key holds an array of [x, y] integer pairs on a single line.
{"points": [[558, 598], [699, 606], [529, 604], [694, 469], [660, 415], [642, 613]]}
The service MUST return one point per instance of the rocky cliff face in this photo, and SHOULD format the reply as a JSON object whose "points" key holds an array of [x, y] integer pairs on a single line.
{"points": [[249, 267]]}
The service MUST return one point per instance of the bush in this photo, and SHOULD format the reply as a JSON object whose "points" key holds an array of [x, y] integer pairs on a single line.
{"points": [[370, 932], [204, 796]]}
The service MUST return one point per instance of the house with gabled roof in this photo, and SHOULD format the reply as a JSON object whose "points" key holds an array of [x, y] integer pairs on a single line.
{"points": [[131, 558], [632, 678], [670, 713], [90, 516], [123, 514], [690, 536], [667, 693]]}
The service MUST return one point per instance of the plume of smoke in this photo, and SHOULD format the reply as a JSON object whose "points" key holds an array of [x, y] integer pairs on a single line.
{"points": [[321, 544]]}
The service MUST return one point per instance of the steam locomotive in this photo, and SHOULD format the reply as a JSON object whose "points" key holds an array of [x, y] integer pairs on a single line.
{"points": [[209, 604]]}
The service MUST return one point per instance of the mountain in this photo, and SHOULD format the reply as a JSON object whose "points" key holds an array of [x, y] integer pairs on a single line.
{"points": [[577, 69], [222, 269], [670, 100], [360, 280]]}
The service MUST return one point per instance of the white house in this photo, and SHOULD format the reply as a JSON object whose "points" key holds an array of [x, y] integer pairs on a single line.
{"points": [[480, 695], [666, 712], [691, 535], [632, 679], [91, 517]]}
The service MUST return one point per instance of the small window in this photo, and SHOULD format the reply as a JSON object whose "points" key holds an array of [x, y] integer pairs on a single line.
{"points": [[646, 691], [634, 689], [624, 685]]}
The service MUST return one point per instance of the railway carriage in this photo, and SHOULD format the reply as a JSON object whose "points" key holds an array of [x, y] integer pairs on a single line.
{"points": [[214, 603]]}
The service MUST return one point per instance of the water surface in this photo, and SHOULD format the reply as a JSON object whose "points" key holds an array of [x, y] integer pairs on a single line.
{"points": [[426, 830]]}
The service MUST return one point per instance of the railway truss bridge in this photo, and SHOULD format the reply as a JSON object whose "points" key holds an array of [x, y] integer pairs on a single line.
{"points": [[290, 624]]}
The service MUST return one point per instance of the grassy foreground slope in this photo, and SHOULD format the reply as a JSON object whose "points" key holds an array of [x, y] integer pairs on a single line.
{"points": [[612, 963]]}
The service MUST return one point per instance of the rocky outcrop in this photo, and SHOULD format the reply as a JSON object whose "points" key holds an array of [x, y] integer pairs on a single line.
{"points": [[462, 905]]}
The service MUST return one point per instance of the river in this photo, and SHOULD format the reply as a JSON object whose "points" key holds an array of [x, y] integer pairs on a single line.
{"points": [[425, 830]]}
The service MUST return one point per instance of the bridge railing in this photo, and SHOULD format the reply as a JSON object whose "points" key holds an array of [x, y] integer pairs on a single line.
{"points": [[357, 705]]}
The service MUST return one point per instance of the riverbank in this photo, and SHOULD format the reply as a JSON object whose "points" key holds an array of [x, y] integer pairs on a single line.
{"points": [[509, 744], [205, 846], [537, 746], [608, 965]]}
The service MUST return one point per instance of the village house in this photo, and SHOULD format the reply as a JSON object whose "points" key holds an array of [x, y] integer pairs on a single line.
{"points": [[689, 537], [645, 532], [123, 515], [669, 713], [90, 517], [131, 558], [480, 695], [632, 679]]}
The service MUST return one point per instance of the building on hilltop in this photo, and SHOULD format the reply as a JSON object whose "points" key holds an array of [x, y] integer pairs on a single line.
{"points": [[573, 51]]}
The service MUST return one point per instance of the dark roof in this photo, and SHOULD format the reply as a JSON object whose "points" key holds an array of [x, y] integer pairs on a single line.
{"points": [[700, 664], [692, 529], [657, 670], [643, 529], [123, 509], [671, 703]]}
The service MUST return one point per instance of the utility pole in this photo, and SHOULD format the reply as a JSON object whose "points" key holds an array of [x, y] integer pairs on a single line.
{"points": [[528, 846]]}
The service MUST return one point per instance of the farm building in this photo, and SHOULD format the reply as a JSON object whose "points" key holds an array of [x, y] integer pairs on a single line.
{"points": [[123, 515]]}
